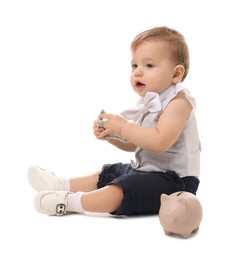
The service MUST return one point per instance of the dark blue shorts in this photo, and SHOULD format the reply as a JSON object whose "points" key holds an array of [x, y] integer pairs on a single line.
{"points": [[142, 190]]}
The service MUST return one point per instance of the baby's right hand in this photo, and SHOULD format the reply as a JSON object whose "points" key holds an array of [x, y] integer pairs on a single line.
{"points": [[98, 129]]}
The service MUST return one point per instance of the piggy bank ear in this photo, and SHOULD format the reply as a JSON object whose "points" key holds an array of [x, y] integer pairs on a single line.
{"points": [[164, 197], [183, 201]]}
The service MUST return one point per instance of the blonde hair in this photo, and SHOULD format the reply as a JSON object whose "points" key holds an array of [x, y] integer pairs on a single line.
{"points": [[175, 41]]}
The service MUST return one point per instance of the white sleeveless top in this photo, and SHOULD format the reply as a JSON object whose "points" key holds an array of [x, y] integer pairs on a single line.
{"points": [[184, 156]]}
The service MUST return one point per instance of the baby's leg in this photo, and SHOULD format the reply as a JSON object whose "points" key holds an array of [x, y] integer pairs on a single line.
{"points": [[85, 183], [104, 200], [107, 199], [41, 179]]}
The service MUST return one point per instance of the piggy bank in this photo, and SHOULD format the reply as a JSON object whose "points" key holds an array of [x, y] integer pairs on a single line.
{"points": [[180, 213]]}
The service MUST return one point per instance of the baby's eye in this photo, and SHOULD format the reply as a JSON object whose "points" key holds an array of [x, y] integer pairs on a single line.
{"points": [[149, 66], [134, 66]]}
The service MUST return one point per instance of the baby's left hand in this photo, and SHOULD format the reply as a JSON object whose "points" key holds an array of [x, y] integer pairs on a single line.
{"points": [[112, 124]]}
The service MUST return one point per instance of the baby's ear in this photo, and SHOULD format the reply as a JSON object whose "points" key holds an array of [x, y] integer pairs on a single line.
{"points": [[178, 74]]}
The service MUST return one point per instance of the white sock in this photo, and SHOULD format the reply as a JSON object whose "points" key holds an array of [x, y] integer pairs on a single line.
{"points": [[66, 184], [74, 202]]}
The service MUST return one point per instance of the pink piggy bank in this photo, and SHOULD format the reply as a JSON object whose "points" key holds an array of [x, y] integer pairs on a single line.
{"points": [[180, 213]]}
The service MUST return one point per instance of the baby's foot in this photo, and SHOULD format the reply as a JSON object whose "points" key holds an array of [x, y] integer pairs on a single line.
{"points": [[41, 179]]}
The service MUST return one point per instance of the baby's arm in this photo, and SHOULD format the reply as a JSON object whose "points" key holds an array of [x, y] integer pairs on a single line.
{"points": [[128, 147], [168, 128]]}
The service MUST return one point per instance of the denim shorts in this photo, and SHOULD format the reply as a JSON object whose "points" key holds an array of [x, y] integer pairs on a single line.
{"points": [[142, 190]]}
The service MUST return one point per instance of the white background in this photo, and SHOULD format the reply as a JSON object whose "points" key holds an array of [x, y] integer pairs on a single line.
{"points": [[61, 62]]}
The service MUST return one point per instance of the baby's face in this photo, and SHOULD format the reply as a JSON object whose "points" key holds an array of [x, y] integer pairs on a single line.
{"points": [[152, 68]]}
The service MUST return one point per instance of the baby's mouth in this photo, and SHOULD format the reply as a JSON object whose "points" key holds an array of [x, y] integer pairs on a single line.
{"points": [[139, 84]]}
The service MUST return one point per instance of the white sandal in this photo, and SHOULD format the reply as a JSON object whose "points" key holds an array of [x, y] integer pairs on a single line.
{"points": [[52, 202], [41, 179]]}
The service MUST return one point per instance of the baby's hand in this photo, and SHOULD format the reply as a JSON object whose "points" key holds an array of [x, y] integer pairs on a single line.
{"points": [[111, 124], [98, 129]]}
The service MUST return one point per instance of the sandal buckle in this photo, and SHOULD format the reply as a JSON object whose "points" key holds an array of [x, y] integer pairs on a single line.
{"points": [[60, 209]]}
